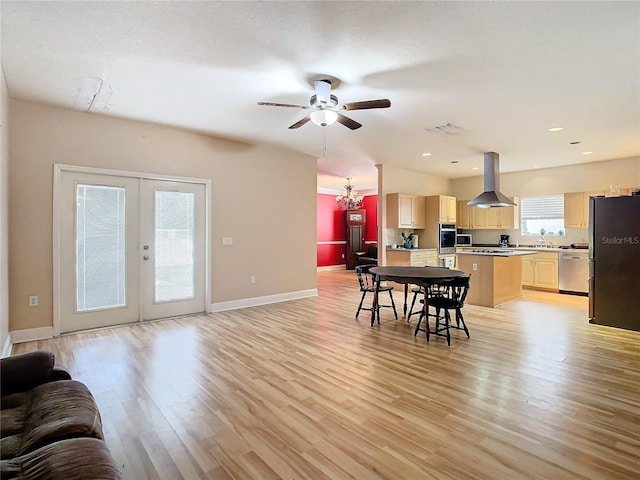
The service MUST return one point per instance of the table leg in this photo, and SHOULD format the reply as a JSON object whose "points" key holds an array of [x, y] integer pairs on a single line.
{"points": [[406, 293], [425, 312], [374, 306]]}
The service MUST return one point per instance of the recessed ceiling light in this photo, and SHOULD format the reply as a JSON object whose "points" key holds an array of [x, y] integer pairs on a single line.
{"points": [[587, 153], [556, 129], [537, 166], [474, 168], [426, 154], [574, 143]]}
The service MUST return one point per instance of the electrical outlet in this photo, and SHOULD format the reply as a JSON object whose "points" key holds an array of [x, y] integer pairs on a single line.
{"points": [[475, 267], [227, 241], [33, 301], [253, 279]]}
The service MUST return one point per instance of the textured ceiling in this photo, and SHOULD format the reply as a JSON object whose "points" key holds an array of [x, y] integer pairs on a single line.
{"points": [[503, 72]]}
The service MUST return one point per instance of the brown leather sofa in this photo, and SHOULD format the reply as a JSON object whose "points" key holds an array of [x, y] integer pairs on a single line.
{"points": [[50, 425]]}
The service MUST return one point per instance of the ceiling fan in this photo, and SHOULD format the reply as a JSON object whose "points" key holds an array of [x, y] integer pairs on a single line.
{"points": [[325, 109]]}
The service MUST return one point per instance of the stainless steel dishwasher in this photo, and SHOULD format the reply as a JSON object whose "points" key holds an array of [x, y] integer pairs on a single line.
{"points": [[573, 273]]}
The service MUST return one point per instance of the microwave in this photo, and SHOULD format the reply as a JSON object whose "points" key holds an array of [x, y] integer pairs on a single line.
{"points": [[463, 240]]}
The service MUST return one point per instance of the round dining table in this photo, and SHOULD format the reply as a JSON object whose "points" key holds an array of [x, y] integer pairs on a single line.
{"points": [[423, 276]]}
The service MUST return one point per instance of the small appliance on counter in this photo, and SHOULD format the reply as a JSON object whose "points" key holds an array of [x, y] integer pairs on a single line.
{"points": [[463, 240], [504, 241]]}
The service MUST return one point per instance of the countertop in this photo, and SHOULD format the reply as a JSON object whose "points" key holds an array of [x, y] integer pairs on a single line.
{"points": [[402, 249], [556, 249], [501, 253]]}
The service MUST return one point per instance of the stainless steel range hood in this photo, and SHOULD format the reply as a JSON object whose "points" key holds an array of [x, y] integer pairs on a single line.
{"points": [[492, 197]]}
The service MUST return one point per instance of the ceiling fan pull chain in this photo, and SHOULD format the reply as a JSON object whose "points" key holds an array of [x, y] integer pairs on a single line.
{"points": [[324, 143]]}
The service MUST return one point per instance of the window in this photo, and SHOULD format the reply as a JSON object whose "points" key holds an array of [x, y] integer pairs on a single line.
{"points": [[542, 215]]}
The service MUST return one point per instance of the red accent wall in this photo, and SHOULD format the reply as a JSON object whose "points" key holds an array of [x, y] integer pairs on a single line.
{"points": [[331, 226], [370, 204]]}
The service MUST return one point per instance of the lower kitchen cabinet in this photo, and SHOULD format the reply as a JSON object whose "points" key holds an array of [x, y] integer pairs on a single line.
{"points": [[412, 258], [540, 271]]}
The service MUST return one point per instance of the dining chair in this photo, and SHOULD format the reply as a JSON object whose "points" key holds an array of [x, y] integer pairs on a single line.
{"points": [[419, 291], [367, 285], [450, 296]]}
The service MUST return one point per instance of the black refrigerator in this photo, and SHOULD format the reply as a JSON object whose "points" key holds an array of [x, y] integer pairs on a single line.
{"points": [[614, 261]]}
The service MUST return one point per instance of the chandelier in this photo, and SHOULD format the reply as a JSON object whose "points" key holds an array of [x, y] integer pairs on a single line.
{"points": [[351, 200]]}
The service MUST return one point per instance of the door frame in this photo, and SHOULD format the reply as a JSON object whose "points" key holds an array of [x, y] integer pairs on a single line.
{"points": [[59, 169]]}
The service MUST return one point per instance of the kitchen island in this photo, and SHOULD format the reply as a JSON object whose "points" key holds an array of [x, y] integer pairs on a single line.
{"points": [[496, 275]]}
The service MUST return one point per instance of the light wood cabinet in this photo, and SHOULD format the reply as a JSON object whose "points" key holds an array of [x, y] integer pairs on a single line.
{"points": [[412, 258], [504, 217], [576, 208], [405, 211], [478, 217], [463, 214], [540, 270], [627, 191], [440, 209], [448, 209], [527, 271], [498, 218]]}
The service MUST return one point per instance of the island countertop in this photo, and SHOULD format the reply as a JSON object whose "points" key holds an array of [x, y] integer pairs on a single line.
{"points": [[496, 278]]}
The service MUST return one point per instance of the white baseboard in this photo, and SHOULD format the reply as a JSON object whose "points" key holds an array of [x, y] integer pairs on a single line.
{"points": [[6, 348], [332, 267], [255, 301], [31, 334]]}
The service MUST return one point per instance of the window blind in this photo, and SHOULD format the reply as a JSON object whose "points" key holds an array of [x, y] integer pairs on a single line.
{"points": [[542, 208]]}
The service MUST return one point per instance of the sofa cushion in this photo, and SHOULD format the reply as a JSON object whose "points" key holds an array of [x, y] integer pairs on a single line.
{"points": [[47, 413], [76, 458], [25, 371]]}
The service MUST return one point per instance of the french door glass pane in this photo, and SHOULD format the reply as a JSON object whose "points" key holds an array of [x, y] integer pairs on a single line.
{"points": [[174, 246], [100, 247]]}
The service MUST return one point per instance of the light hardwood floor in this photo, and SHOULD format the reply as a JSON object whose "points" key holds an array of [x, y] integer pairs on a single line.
{"points": [[302, 390]]}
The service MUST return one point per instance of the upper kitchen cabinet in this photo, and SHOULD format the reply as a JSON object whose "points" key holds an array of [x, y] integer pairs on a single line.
{"points": [[576, 208], [628, 191], [463, 214], [476, 218], [405, 211], [441, 209], [504, 217]]}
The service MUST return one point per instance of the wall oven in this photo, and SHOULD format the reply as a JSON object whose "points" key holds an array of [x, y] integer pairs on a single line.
{"points": [[447, 238]]}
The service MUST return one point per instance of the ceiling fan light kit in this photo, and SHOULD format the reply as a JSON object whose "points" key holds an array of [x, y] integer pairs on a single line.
{"points": [[325, 107], [324, 117]]}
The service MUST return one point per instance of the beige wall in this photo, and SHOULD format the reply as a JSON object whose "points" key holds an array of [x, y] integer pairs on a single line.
{"points": [[4, 215], [265, 198], [400, 180], [551, 181]]}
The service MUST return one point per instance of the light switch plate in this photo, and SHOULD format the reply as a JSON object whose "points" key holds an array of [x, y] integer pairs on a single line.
{"points": [[227, 241]]}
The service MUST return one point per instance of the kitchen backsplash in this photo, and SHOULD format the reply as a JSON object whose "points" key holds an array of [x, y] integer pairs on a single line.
{"points": [[493, 236], [490, 237]]}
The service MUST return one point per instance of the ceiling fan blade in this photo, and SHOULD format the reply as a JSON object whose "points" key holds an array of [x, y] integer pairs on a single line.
{"points": [[323, 91], [270, 104], [381, 103], [347, 122], [301, 122]]}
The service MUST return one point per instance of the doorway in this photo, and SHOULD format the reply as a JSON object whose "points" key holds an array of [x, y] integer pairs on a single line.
{"points": [[127, 248]]}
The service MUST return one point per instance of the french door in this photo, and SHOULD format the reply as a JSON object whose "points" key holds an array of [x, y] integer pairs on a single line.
{"points": [[130, 249]]}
